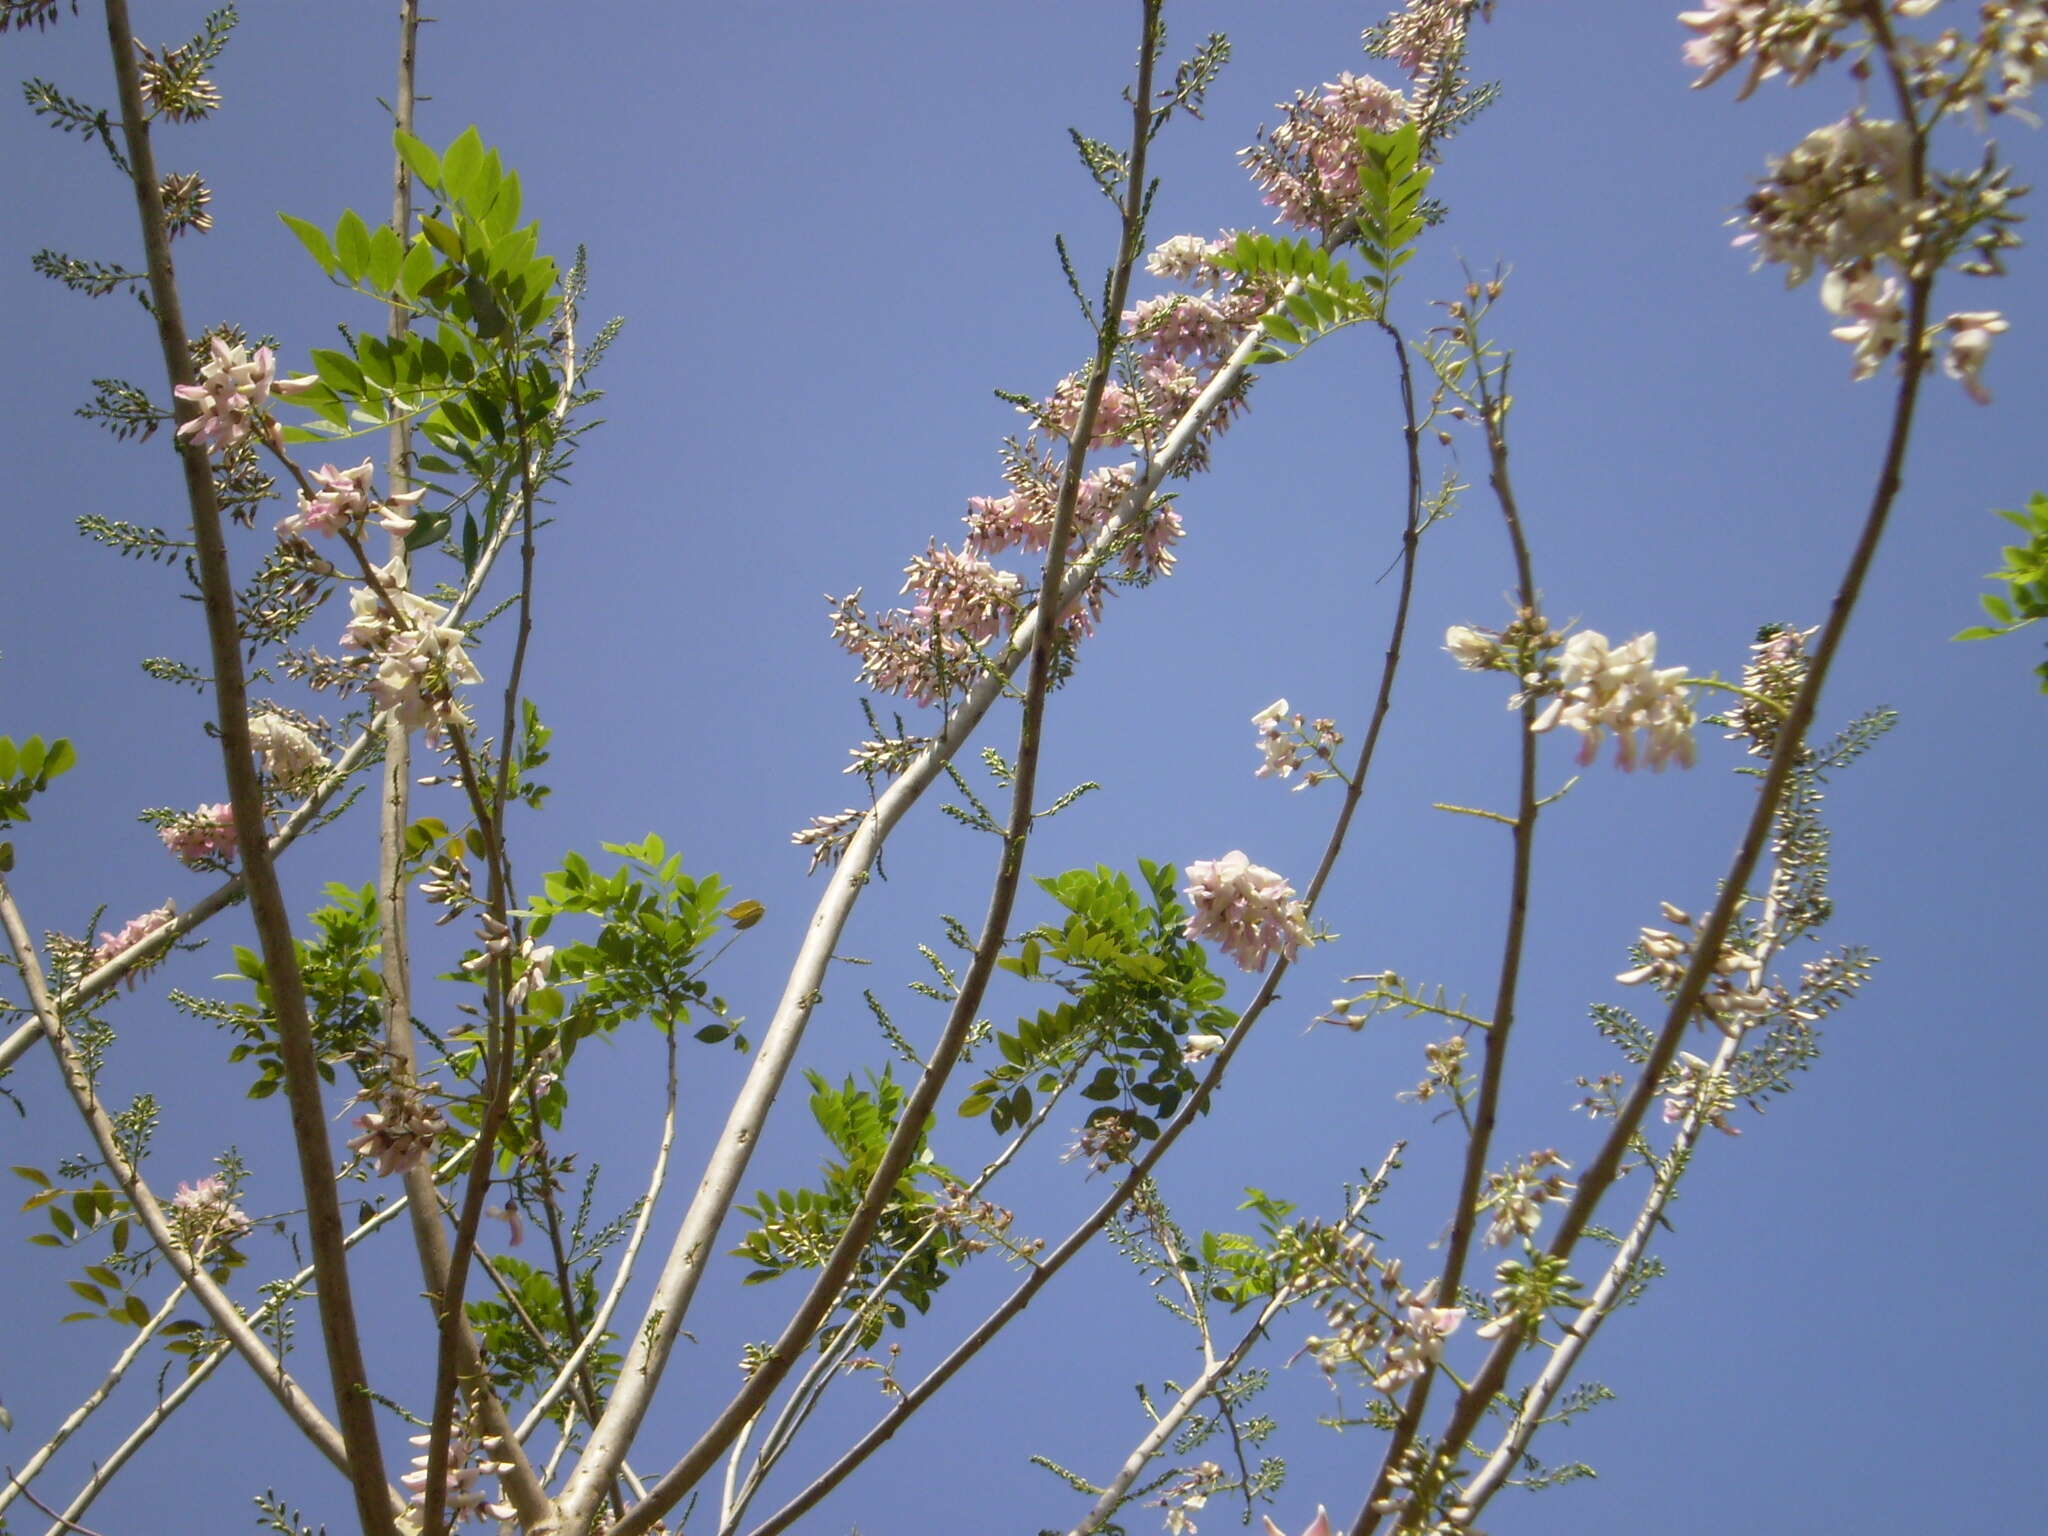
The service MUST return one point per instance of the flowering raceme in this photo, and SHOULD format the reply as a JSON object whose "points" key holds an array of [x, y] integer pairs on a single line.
{"points": [[1248, 910], [233, 386], [1620, 689], [205, 1215], [132, 933], [465, 1498], [418, 658], [1308, 166], [206, 833], [289, 754]]}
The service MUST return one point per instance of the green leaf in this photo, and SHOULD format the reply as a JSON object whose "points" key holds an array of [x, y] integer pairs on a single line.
{"points": [[442, 238], [386, 256], [461, 164], [314, 239], [418, 266], [352, 246], [62, 757], [421, 160]]}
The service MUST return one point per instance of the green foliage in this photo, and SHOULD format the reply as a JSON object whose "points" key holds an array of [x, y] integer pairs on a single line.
{"points": [[1328, 299], [647, 956], [473, 374], [344, 993], [1391, 183], [2025, 574], [1135, 991], [25, 772], [95, 1210], [797, 1229], [526, 1339]]}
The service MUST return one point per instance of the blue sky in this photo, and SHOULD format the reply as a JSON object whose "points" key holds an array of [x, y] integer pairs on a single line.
{"points": [[830, 229]]}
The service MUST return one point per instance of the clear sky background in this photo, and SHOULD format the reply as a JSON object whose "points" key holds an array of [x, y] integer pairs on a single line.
{"points": [[830, 228]]}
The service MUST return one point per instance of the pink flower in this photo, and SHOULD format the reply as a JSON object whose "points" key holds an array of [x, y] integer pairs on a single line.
{"points": [[205, 833], [343, 499], [1308, 166], [204, 1214], [232, 388], [1248, 910], [132, 933]]}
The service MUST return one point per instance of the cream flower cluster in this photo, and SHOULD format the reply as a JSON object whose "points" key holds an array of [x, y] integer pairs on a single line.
{"points": [[419, 660], [1604, 688]]}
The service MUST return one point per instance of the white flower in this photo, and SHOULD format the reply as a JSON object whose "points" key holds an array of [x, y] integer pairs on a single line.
{"points": [[1877, 317], [1472, 649], [289, 754], [1969, 344]]}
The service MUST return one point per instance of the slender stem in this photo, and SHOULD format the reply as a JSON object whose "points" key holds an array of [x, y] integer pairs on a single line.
{"points": [[296, 1049], [204, 1365], [595, 1333], [810, 1389], [1500, 1026], [150, 1213], [94, 1398], [1215, 1371], [1600, 1174]]}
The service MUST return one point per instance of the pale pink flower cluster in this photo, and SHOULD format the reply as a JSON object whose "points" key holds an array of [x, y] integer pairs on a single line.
{"points": [[1693, 1074], [1621, 689], [1247, 909], [289, 754], [957, 592], [419, 660], [205, 833], [465, 1498], [1425, 33], [1417, 1340], [132, 933], [204, 1215], [1518, 1196], [401, 1131], [343, 501], [233, 387], [1842, 198], [1777, 36], [1308, 166], [1288, 741]]}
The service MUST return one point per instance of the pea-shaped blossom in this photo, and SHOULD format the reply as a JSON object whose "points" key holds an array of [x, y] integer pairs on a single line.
{"points": [[207, 832], [1308, 166], [1969, 344], [401, 1131], [418, 658], [344, 499], [1247, 909], [204, 1215], [1620, 689], [289, 753], [465, 1498], [1875, 312], [1842, 197], [232, 388], [132, 933]]}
